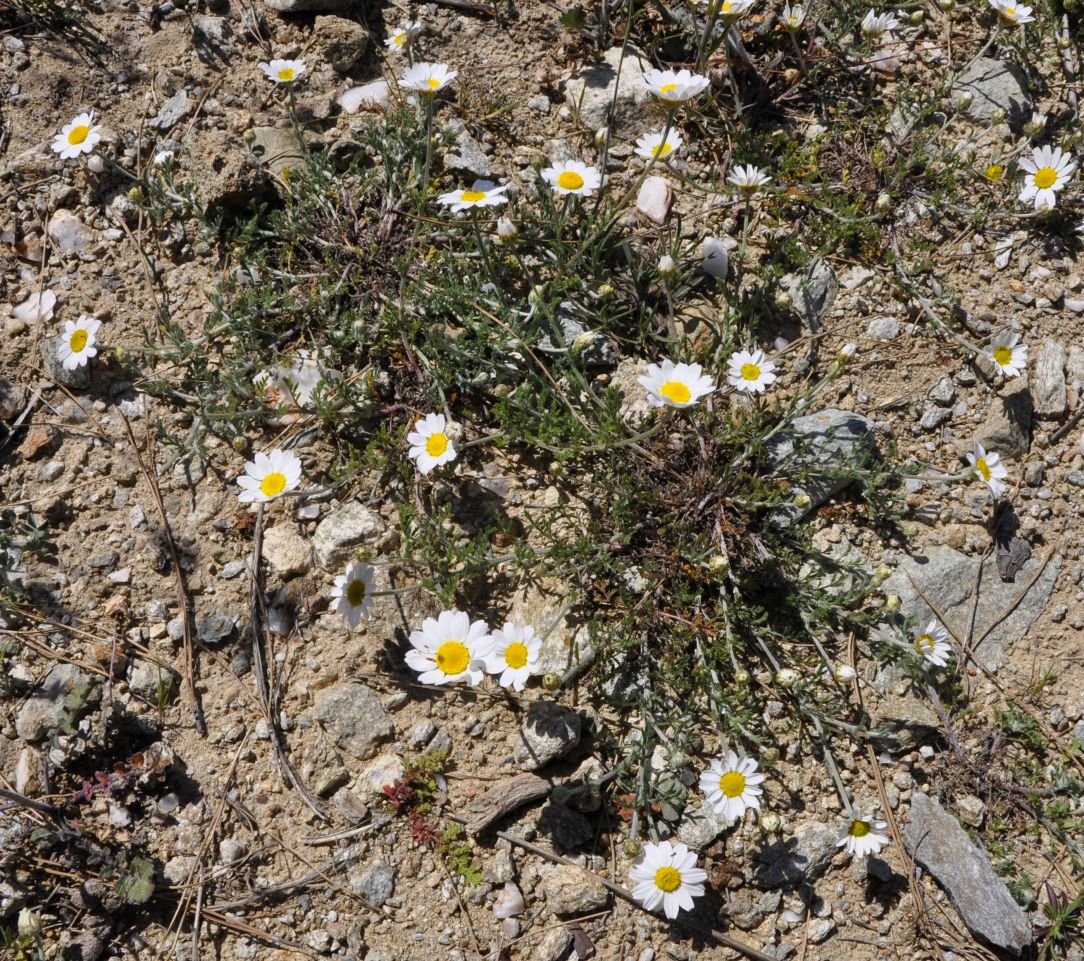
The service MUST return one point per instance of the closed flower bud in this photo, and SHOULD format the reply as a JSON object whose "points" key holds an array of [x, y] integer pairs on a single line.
{"points": [[946, 6], [770, 822], [892, 603], [847, 352], [786, 677], [507, 232], [783, 300], [632, 847], [802, 500], [249, 136], [239, 444], [997, 116], [135, 195], [741, 676], [551, 682], [1064, 43], [884, 203], [667, 267], [29, 923], [718, 563], [601, 136], [883, 572], [605, 290], [915, 17], [95, 164]]}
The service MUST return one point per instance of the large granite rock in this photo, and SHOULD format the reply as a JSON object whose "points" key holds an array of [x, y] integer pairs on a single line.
{"points": [[995, 85], [613, 83]]}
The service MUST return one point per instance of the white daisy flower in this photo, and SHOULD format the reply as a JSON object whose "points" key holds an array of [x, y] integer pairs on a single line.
{"points": [[572, 177], [450, 650], [876, 24], [730, 786], [862, 835], [78, 345], [932, 644], [37, 308], [675, 385], [651, 146], [483, 193], [750, 371], [1010, 12], [1048, 171], [667, 874], [428, 78], [675, 86], [283, 71], [989, 469], [1008, 354], [733, 9], [430, 445], [747, 179], [404, 35], [268, 476], [297, 384], [515, 654], [353, 592], [82, 135], [793, 17]]}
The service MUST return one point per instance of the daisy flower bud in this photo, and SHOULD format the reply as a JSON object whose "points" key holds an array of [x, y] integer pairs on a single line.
{"points": [[914, 18], [802, 500], [605, 290], [507, 231], [632, 847], [884, 203], [963, 104], [718, 563], [601, 136], [847, 352], [783, 300], [741, 677], [770, 822], [892, 603], [946, 6], [997, 116], [786, 677], [29, 923], [667, 267], [551, 682]]}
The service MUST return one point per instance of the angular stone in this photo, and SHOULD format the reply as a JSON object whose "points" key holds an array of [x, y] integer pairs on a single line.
{"points": [[700, 826], [224, 171], [286, 550], [376, 882], [828, 441], [384, 771], [591, 92], [1007, 428], [69, 233], [813, 293], [549, 732], [995, 85], [569, 890], [937, 842], [278, 148], [343, 530], [947, 578], [565, 827], [884, 328], [654, 199], [1048, 381], [354, 718], [42, 712], [339, 42], [800, 859], [172, 112]]}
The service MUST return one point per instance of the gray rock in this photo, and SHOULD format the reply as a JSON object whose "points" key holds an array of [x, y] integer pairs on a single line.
{"points": [[354, 718], [12, 399], [225, 173], [172, 112], [813, 293], [286, 550], [339, 42], [898, 722], [41, 713], [321, 767], [211, 33], [995, 85], [820, 931], [943, 393], [799, 859], [309, 6], [69, 233], [468, 155], [217, 627], [421, 733], [343, 530], [569, 890], [78, 378], [972, 810], [232, 851], [591, 92], [937, 842], [555, 945], [934, 417], [151, 681], [947, 578], [700, 826], [549, 732], [12, 898], [1048, 381], [375, 882], [567, 828], [743, 912], [884, 328], [830, 441], [1007, 428], [278, 148]]}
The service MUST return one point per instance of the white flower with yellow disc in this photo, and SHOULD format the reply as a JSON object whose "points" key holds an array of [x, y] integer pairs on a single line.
{"points": [[283, 71], [431, 443], [82, 135], [268, 476], [353, 593], [77, 346], [731, 785], [667, 874], [675, 385], [450, 649], [573, 177], [515, 654], [750, 371]]}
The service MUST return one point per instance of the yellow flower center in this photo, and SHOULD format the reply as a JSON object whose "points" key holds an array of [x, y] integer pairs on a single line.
{"points": [[662, 150], [515, 655], [750, 372], [78, 341], [400, 39], [355, 592], [668, 88], [1003, 354], [668, 879], [995, 172], [570, 180], [274, 483], [727, 6], [858, 829], [676, 391], [436, 444], [1011, 11], [453, 657], [982, 468], [1045, 177], [472, 196], [78, 134], [434, 83], [286, 73], [924, 644], [732, 784]]}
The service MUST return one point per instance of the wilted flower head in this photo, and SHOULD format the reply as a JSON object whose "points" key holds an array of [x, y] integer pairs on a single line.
{"points": [[793, 17], [747, 179], [1010, 12]]}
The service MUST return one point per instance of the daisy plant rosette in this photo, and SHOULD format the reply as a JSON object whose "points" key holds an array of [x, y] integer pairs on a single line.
{"points": [[283, 71], [514, 655], [732, 785], [666, 874], [431, 444], [482, 193], [988, 468], [750, 372], [932, 645], [675, 385], [1007, 354], [268, 476], [863, 834], [572, 178], [77, 342], [352, 594], [450, 649], [80, 136], [1046, 171]]}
